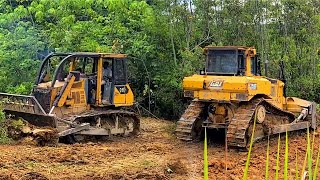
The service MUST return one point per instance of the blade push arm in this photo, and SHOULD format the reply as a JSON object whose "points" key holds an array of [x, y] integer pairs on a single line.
{"points": [[63, 93]]}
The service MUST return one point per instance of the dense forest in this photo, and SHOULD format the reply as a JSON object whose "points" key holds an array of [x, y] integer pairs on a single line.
{"points": [[163, 38]]}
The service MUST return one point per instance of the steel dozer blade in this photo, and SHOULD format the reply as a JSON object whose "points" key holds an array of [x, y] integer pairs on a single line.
{"points": [[27, 108]]}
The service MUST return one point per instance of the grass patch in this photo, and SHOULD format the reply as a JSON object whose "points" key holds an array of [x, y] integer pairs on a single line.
{"points": [[170, 128], [18, 124], [148, 163], [4, 139], [28, 164]]}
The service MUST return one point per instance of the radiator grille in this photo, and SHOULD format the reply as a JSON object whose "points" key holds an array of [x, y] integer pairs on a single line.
{"points": [[79, 97]]}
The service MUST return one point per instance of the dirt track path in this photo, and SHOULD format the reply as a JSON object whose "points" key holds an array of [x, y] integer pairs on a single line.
{"points": [[148, 156]]}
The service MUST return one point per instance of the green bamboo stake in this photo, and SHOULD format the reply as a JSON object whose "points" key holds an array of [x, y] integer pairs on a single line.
{"points": [[312, 146], [315, 173], [309, 156], [245, 174], [278, 157], [304, 164], [267, 159], [286, 158], [205, 156], [297, 170]]}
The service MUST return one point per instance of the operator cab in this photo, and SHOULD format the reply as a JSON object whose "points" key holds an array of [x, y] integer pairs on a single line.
{"points": [[90, 72], [231, 61]]}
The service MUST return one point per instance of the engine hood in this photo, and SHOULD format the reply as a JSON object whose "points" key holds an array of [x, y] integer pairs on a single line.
{"points": [[225, 83]]}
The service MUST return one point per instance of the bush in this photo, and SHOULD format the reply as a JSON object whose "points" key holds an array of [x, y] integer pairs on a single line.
{"points": [[4, 139]]}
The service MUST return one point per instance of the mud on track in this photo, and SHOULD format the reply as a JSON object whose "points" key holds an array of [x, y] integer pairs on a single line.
{"points": [[153, 154]]}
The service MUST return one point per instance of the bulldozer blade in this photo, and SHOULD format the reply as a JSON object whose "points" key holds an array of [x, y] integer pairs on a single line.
{"points": [[290, 127], [27, 108], [21, 103], [34, 119]]}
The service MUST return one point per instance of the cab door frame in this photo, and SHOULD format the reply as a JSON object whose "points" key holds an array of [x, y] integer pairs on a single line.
{"points": [[119, 81]]}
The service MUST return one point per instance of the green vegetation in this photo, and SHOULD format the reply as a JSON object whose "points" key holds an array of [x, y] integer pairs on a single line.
{"points": [[17, 124], [164, 39], [4, 139], [170, 129]]}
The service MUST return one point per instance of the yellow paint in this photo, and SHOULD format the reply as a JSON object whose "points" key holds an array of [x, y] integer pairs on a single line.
{"points": [[99, 80], [249, 52], [236, 88], [233, 86], [296, 104], [78, 97], [54, 92], [123, 99], [66, 92], [129, 96], [74, 100], [118, 97]]}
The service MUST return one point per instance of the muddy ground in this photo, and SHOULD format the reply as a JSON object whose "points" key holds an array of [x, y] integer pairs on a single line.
{"points": [[154, 154]]}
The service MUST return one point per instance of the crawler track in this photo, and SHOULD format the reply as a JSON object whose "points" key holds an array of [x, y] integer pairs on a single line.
{"points": [[99, 119], [107, 119], [240, 127], [237, 133], [110, 112], [187, 125]]}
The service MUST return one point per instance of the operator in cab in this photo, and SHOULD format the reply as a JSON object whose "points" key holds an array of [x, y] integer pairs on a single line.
{"points": [[106, 82]]}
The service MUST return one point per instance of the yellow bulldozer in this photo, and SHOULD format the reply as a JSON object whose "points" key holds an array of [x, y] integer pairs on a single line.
{"points": [[230, 92], [78, 94]]}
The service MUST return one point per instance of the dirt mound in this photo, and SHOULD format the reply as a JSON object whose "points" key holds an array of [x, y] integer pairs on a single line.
{"points": [[34, 176], [221, 164], [46, 136], [176, 167], [21, 130]]}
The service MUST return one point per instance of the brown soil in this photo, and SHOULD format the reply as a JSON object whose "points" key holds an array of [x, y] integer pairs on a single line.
{"points": [[153, 154], [23, 132]]}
